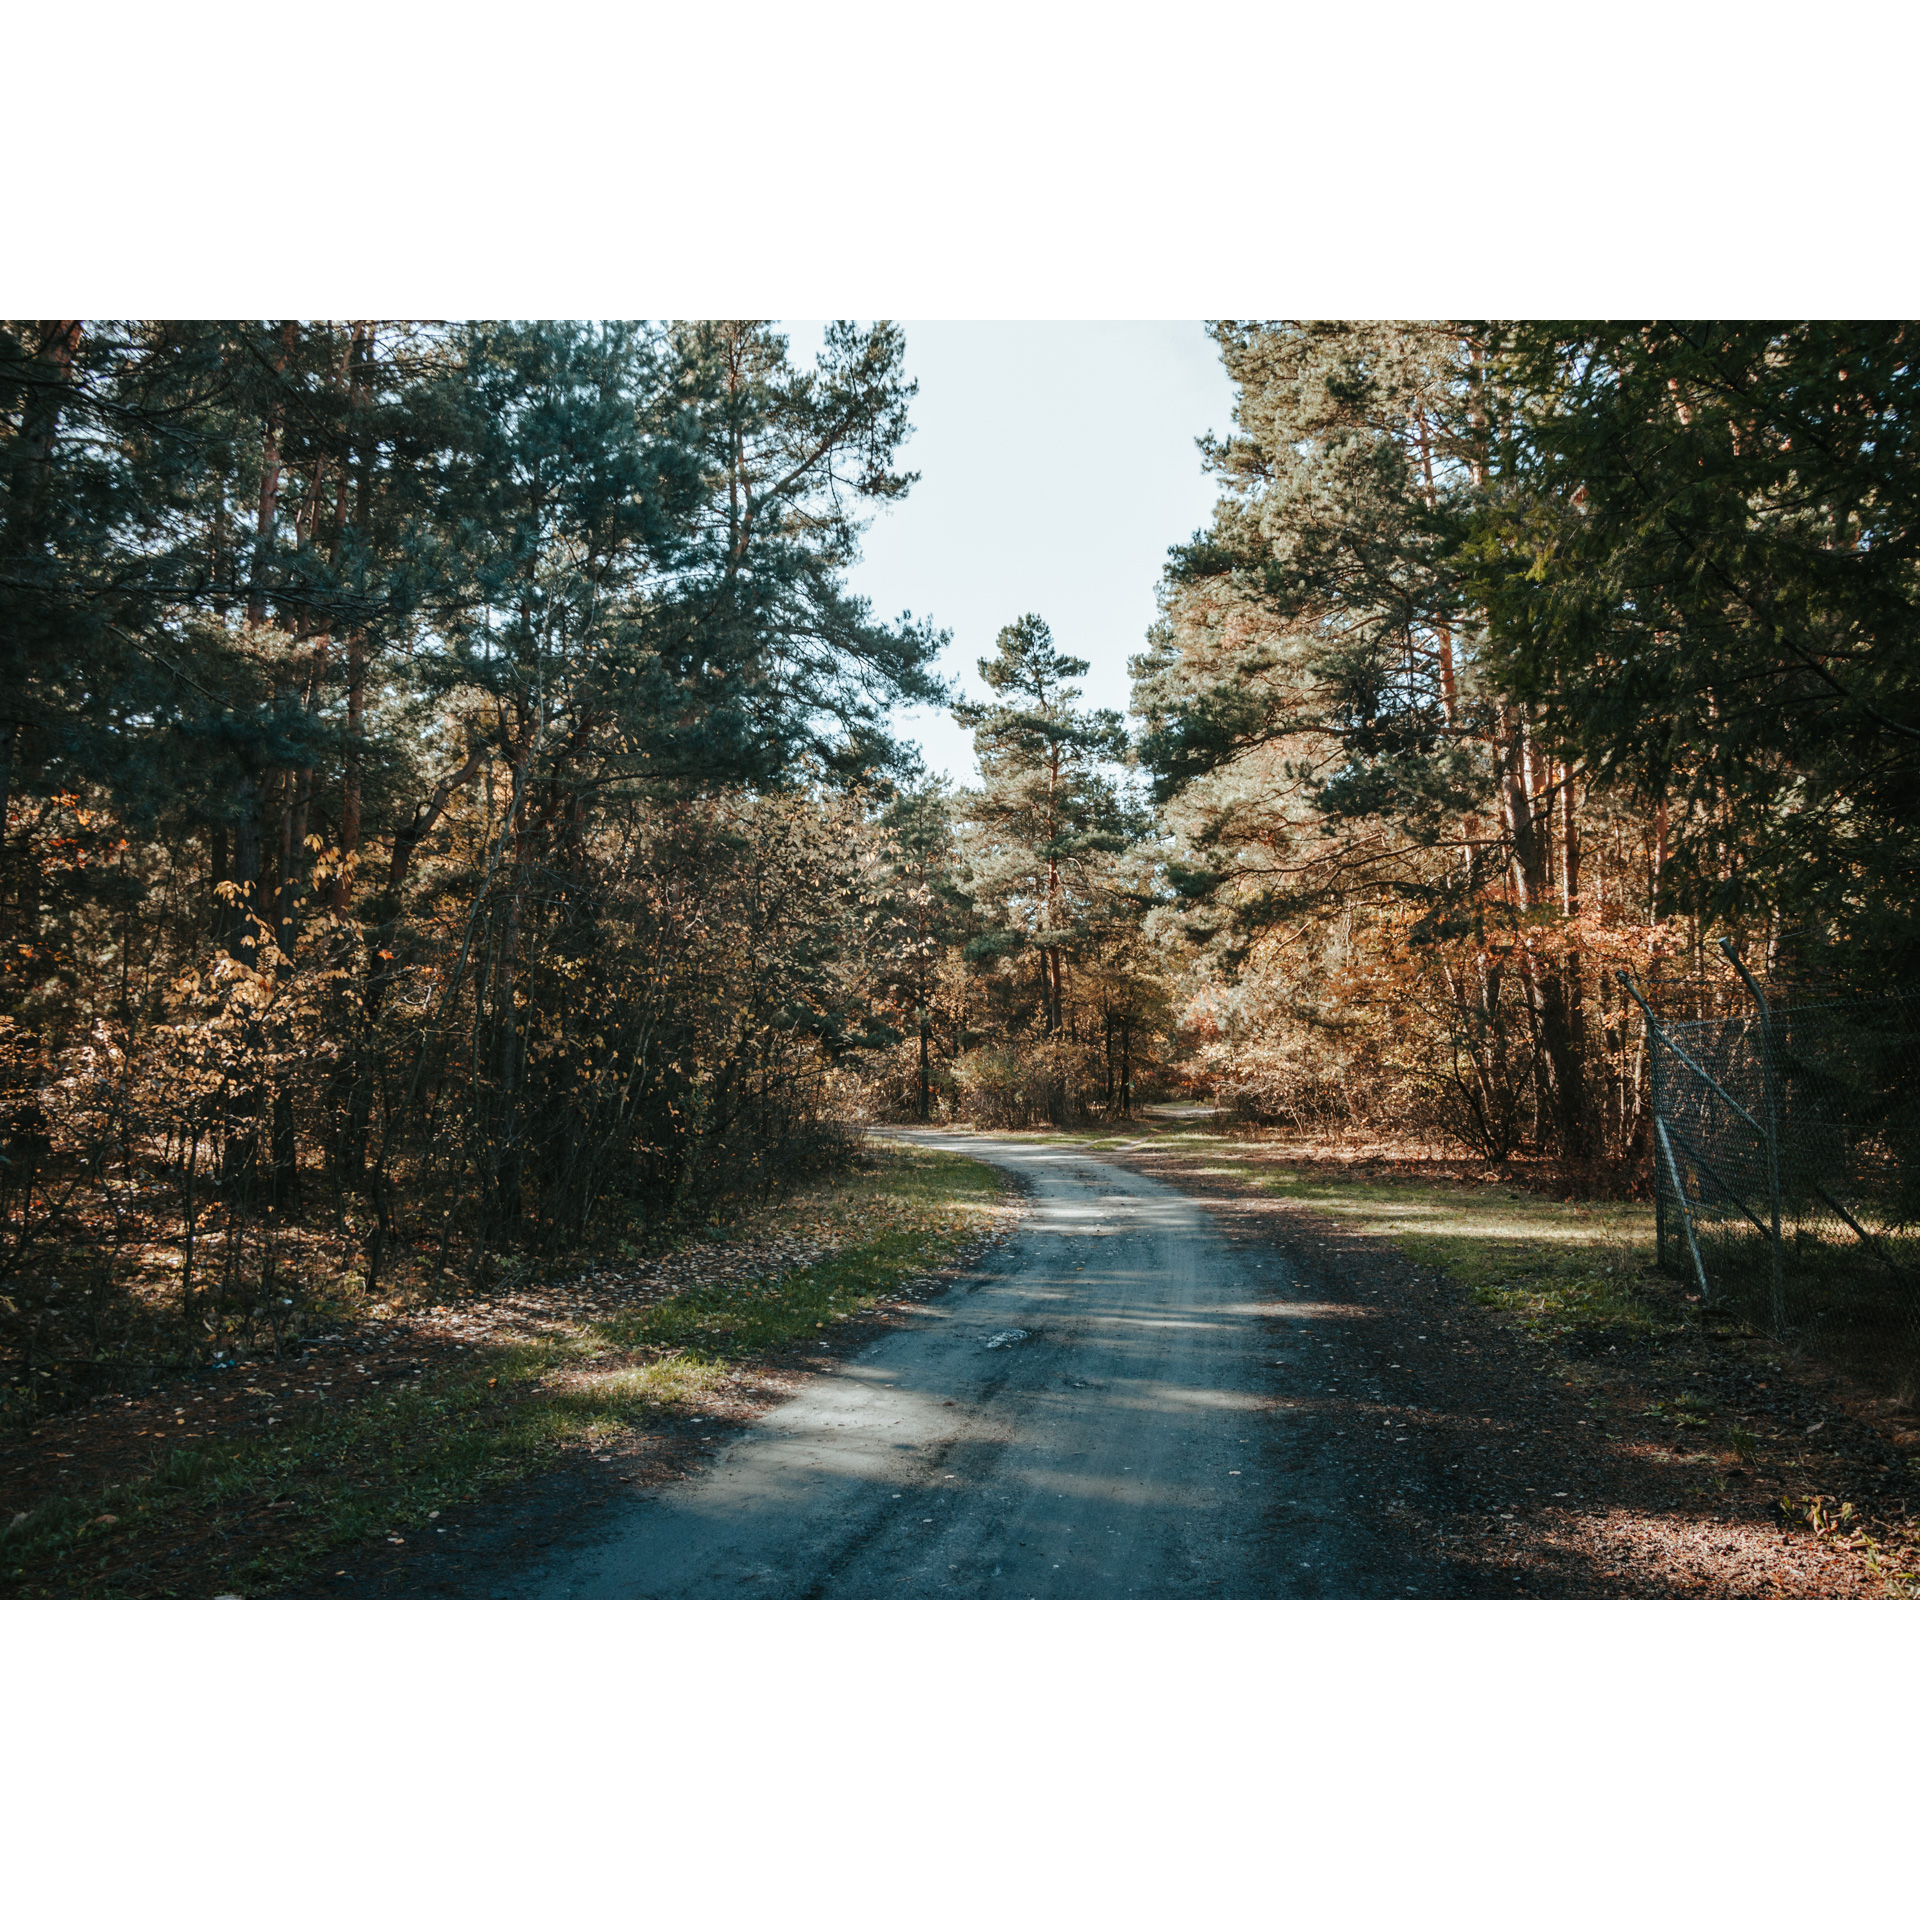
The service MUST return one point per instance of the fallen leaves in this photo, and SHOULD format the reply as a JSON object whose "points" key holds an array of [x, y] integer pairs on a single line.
{"points": [[420, 1365]]}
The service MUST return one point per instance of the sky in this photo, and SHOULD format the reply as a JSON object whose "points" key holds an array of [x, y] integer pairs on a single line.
{"points": [[1057, 466]]}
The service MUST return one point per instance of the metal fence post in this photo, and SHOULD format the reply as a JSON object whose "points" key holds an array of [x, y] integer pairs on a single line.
{"points": [[1770, 1107], [1686, 1212], [1659, 1192]]}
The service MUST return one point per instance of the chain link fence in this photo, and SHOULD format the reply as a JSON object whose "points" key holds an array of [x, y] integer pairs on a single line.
{"points": [[1787, 1172]]}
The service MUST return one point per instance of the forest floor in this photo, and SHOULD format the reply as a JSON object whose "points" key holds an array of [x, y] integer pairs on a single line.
{"points": [[357, 1460], [1547, 1410], [1656, 1450]]}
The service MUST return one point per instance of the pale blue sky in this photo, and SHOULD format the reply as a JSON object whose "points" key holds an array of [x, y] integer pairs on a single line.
{"points": [[1057, 466]]}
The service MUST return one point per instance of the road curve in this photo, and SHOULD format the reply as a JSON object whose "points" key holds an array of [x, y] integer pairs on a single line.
{"points": [[1129, 1443]]}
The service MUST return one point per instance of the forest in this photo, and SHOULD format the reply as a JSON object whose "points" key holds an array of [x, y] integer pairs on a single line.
{"points": [[451, 810]]}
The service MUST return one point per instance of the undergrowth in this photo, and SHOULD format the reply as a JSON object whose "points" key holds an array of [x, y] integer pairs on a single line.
{"points": [[332, 1478]]}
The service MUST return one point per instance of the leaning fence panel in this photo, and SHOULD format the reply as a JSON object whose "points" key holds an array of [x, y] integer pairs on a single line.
{"points": [[1791, 1160]]}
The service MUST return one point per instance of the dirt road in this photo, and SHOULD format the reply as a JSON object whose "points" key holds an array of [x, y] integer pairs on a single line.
{"points": [[1106, 1407]]}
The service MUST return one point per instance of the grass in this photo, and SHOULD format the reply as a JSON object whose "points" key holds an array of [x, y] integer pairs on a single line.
{"points": [[1557, 1266], [330, 1480]]}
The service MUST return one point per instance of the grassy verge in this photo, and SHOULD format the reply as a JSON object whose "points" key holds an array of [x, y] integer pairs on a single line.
{"points": [[1558, 1267], [1554, 1266], [247, 1516]]}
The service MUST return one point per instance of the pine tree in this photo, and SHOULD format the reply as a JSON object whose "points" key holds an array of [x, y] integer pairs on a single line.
{"points": [[1701, 565], [1047, 819], [926, 913], [763, 658], [1316, 702]]}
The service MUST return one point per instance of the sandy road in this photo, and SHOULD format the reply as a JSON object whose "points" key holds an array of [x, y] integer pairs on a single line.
{"points": [[1130, 1442]]}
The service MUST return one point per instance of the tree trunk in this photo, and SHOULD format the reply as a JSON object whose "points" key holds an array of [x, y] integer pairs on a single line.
{"points": [[28, 512], [239, 931], [508, 1156], [350, 771], [293, 862], [1579, 1119], [264, 517], [1560, 1101], [406, 844]]}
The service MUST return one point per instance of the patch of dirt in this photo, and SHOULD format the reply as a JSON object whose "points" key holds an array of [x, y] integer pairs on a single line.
{"points": [[1535, 1466]]}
